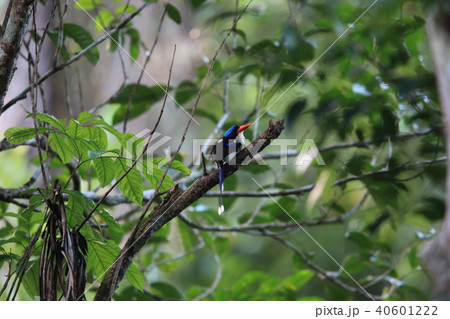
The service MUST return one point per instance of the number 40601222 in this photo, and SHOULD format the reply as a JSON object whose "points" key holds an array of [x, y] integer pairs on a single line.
{"points": [[407, 310]]}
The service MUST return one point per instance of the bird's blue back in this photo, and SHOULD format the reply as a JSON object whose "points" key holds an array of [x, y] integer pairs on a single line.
{"points": [[232, 132]]}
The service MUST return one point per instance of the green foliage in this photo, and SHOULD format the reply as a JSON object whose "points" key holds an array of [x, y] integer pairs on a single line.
{"points": [[79, 35], [19, 134], [186, 90], [102, 255], [131, 183], [141, 98], [88, 4], [364, 91], [173, 13], [83, 39], [165, 290]]}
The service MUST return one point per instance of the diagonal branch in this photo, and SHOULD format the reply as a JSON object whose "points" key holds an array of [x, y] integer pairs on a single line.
{"points": [[174, 203]]}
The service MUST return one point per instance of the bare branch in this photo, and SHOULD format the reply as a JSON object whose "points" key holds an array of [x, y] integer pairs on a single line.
{"points": [[217, 278], [308, 188], [13, 31], [147, 59], [275, 225], [73, 59], [172, 205], [322, 149], [326, 274]]}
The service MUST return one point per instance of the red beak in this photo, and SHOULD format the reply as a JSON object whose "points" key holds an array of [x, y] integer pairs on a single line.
{"points": [[243, 127]]}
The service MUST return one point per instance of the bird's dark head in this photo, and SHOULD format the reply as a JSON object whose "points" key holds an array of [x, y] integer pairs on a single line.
{"points": [[233, 131]]}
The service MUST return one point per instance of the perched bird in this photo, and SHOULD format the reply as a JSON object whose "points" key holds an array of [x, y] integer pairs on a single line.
{"points": [[231, 142]]}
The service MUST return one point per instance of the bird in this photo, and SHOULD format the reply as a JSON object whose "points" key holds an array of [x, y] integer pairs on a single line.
{"points": [[231, 142]]}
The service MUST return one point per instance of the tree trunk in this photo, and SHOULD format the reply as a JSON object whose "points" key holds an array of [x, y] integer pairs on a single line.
{"points": [[436, 254]]}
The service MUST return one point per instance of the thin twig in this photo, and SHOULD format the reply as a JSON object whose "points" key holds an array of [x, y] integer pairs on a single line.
{"points": [[147, 59], [342, 181], [275, 225], [326, 274], [217, 278], [75, 58]]}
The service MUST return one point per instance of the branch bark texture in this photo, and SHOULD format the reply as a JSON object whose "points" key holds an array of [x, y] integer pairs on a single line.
{"points": [[435, 253], [13, 31], [172, 205]]}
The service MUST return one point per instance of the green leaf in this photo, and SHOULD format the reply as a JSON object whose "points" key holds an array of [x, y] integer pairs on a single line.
{"points": [[154, 173], [173, 13], [177, 165], [141, 93], [102, 255], [3, 207], [115, 40], [31, 280], [413, 258], [195, 4], [86, 140], [6, 256], [96, 136], [77, 204], [432, 208], [135, 41], [109, 128], [86, 116], [54, 37], [93, 154], [246, 285], [14, 215], [50, 119], [110, 221], [103, 19], [131, 185], [125, 8], [298, 48], [206, 114], [167, 266], [222, 245], [242, 34], [166, 290], [187, 236], [358, 164], [87, 4], [161, 235], [143, 97], [360, 239], [186, 90], [19, 134], [288, 204], [74, 129], [255, 168], [293, 112], [83, 39], [298, 280], [230, 184], [133, 144], [60, 145]]}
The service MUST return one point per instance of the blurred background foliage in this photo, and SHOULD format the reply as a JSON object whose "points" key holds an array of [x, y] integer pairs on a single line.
{"points": [[354, 76]]}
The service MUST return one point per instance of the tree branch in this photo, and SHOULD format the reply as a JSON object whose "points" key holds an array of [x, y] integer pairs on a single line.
{"points": [[275, 225], [73, 59], [174, 203], [13, 31], [307, 188]]}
